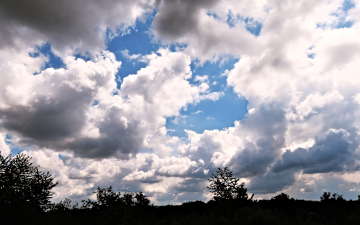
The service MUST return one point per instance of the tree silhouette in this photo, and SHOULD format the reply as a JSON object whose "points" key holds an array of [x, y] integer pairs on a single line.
{"points": [[141, 200], [106, 198], [22, 183], [225, 186]]}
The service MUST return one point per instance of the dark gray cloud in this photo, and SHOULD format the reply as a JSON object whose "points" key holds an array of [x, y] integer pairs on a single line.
{"points": [[179, 17], [49, 119], [207, 146], [254, 160], [271, 182], [269, 125], [65, 23], [333, 153], [117, 138], [191, 185], [57, 125]]}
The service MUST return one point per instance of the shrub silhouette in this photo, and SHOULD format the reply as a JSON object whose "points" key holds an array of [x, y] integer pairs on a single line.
{"points": [[331, 197], [282, 197], [63, 205], [225, 186], [24, 184]]}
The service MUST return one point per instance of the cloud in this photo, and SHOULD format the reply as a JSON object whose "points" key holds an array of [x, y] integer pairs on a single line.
{"points": [[189, 22], [271, 182], [4, 147], [75, 108], [66, 24], [59, 113], [335, 152], [117, 137], [268, 125], [178, 18], [55, 109]]}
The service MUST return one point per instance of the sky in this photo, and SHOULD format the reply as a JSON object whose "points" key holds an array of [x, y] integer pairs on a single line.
{"points": [[154, 95]]}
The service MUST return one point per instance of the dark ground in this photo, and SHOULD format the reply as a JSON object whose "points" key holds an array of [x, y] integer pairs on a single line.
{"points": [[226, 212]]}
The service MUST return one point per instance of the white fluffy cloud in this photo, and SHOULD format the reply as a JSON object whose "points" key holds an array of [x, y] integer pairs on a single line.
{"points": [[4, 147]]}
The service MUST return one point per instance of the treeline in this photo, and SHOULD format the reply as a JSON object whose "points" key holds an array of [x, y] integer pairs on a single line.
{"points": [[25, 198]]}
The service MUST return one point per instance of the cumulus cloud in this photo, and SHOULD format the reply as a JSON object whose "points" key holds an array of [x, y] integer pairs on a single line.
{"points": [[75, 108], [60, 113]]}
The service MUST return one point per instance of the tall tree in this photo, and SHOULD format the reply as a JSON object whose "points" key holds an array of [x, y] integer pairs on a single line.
{"points": [[23, 183], [225, 186]]}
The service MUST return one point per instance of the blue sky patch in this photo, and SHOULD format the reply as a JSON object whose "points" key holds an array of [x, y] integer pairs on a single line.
{"points": [[347, 5], [13, 147], [341, 15], [208, 114], [214, 70], [53, 61], [137, 40], [251, 25]]}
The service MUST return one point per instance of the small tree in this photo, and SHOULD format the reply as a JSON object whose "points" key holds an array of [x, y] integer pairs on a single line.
{"points": [[326, 196], [141, 200], [22, 183], [225, 186], [106, 198]]}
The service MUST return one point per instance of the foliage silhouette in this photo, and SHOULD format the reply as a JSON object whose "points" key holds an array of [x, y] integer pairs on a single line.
{"points": [[106, 198], [282, 197], [112, 207], [331, 197], [22, 183], [225, 186], [63, 205], [141, 200]]}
